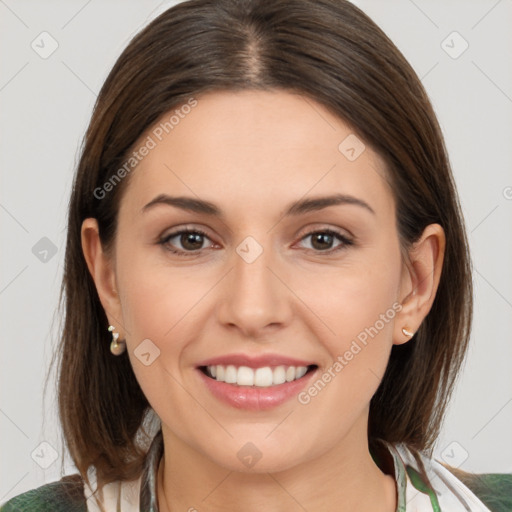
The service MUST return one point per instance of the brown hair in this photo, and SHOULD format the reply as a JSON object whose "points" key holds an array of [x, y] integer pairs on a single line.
{"points": [[327, 50]]}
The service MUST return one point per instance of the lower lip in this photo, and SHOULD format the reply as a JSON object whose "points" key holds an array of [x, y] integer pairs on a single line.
{"points": [[255, 398]]}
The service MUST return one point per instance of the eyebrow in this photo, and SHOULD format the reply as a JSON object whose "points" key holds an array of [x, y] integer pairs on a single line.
{"points": [[296, 208]]}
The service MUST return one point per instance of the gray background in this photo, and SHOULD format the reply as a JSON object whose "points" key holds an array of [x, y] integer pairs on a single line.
{"points": [[45, 107]]}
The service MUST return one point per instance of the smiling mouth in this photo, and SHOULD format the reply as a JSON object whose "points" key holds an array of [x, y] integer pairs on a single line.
{"points": [[263, 377]]}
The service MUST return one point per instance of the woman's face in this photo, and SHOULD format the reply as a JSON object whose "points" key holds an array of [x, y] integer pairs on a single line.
{"points": [[293, 261]]}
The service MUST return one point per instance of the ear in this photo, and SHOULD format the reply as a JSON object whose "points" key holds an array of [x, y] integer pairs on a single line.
{"points": [[101, 268], [421, 273]]}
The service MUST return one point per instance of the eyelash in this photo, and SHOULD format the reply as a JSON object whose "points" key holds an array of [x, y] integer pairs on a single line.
{"points": [[346, 242]]}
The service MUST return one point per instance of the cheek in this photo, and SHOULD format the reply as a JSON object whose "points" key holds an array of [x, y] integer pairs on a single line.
{"points": [[160, 302], [355, 301], [357, 304], [149, 293], [160, 318], [358, 355]]}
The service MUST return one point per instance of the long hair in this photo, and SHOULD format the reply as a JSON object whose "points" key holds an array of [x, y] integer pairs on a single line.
{"points": [[326, 50]]}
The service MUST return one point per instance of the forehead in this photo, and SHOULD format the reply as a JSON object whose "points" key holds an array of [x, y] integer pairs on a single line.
{"points": [[248, 147]]}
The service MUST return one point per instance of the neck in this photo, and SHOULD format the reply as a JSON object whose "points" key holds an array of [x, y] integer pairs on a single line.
{"points": [[344, 478]]}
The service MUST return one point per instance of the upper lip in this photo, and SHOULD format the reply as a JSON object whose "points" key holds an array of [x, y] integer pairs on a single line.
{"points": [[254, 361]]}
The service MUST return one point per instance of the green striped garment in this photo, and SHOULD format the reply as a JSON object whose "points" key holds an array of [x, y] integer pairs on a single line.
{"points": [[423, 485]]}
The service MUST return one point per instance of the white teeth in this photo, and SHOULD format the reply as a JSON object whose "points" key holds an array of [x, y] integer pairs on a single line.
{"points": [[279, 376], [259, 377], [245, 376], [301, 371], [263, 377], [230, 375], [290, 374]]}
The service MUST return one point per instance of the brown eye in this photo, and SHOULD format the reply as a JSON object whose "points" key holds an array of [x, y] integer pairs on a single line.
{"points": [[322, 241], [187, 240], [191, 241]]}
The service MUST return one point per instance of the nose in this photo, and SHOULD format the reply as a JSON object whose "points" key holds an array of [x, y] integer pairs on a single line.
{"points": [[255, 300]]}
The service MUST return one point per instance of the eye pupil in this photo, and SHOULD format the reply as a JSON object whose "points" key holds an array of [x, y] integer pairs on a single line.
{"points": [[188, 240], [324, 239]]}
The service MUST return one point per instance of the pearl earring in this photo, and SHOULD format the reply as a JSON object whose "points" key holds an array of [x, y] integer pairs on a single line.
{"points": [[117, 348], [406, 332]]}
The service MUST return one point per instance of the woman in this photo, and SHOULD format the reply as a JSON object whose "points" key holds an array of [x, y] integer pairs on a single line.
{"points": [[267, 281]]}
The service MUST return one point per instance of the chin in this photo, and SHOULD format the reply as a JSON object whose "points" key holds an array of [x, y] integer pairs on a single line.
{"points": [[258, 457]]}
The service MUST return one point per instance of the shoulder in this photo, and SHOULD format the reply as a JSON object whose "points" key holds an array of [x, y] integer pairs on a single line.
{"points": [[493, 489], [65, 495], [446, 487]]}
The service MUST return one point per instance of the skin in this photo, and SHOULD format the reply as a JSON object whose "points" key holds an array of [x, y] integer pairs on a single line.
{"points": [[252, 153]]}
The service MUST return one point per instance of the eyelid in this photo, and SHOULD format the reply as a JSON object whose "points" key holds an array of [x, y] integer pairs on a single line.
{"points": [[344, 239], [324, 227], [184, 229]]}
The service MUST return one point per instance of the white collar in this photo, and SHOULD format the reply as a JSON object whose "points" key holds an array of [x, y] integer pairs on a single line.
{"points": [[450, 494]]}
